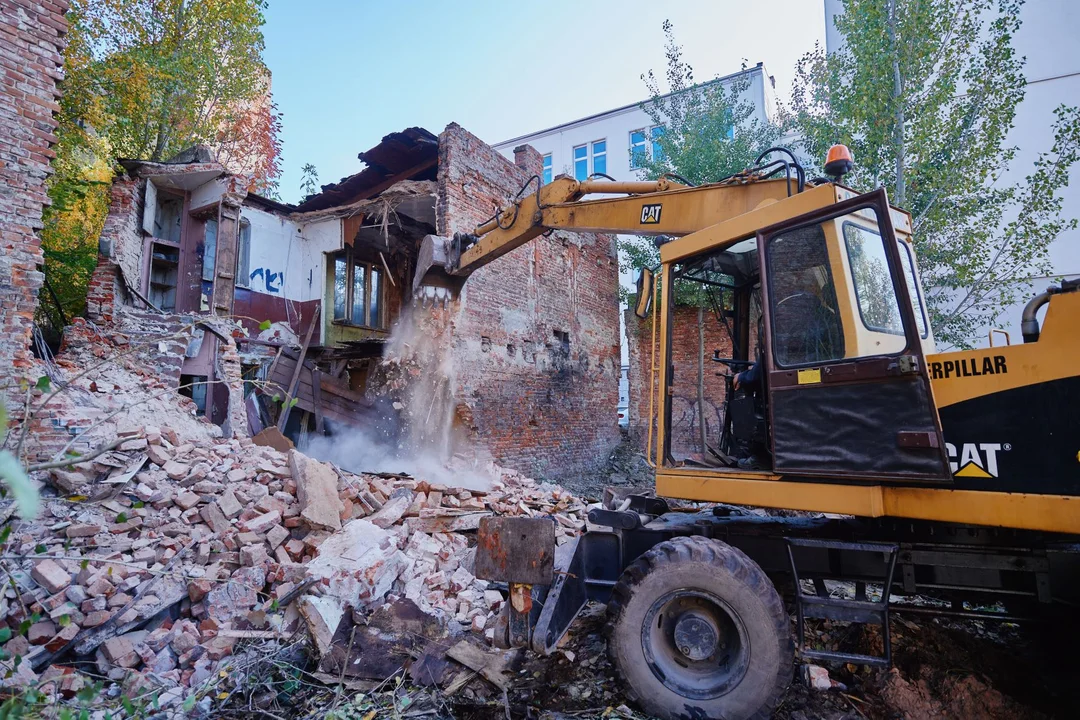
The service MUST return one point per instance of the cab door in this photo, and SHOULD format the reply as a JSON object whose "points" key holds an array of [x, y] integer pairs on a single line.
{"points": [[849, 394]]}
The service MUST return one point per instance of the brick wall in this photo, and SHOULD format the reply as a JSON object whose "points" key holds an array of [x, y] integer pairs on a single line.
{"points": [[685, 439], [31, 42], [538, 406]]}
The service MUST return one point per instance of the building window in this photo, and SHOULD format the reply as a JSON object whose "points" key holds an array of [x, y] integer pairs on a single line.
{"points": [[581, 162], [547, 169], [599, 156], [209, 250], [358, 290], [657, 152], [638, 152], [243, 256]]}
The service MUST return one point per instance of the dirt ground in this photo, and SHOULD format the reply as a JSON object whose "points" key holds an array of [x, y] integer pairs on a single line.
{"points": [[942, 669]]}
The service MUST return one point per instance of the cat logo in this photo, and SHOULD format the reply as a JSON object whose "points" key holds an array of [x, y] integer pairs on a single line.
{"points": [[650, 214], [977, 460]]}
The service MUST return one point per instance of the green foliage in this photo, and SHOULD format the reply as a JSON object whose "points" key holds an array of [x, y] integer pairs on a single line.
{"points": [[155, 76], [710, 131], [309, 181], [145, 79], [15, 479], [925, 93]]}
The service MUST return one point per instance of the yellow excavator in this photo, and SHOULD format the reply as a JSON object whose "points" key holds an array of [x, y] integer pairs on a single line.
{"points": [[953, 476]]}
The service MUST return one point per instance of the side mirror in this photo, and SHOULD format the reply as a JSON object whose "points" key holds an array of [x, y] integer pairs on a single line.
{"points": [[645, 280]]}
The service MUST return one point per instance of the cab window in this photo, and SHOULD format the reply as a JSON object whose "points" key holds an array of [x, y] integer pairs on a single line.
{"points": [[879, 309], [806, 320]]}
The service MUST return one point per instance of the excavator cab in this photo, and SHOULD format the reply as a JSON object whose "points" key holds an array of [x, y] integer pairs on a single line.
{"points": [[825, 320]]}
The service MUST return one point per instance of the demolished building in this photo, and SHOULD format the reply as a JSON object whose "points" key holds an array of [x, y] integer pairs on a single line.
{"points": [[300, 301]]}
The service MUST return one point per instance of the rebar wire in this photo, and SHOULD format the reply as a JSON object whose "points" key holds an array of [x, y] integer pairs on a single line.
{"points": [[45, 353]]}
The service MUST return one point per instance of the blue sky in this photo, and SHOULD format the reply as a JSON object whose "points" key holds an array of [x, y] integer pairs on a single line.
{"points": [[345, 73]]}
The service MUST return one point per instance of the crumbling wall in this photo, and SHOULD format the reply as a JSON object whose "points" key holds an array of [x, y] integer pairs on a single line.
{"points": [[685, 417], [120, 249], [31, 43], [536, 341]]}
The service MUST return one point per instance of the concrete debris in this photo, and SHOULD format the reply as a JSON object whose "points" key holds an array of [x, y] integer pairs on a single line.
{"points": [[818, 678], [193, 548], [316, 489]]}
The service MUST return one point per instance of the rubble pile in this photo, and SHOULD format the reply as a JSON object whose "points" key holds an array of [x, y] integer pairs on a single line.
{"points": [[154, 560]]}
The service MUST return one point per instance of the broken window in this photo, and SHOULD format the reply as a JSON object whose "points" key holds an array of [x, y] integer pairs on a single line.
{"points": [[194, 386], [358, 291], [243, 256], [168, 218], [562, 344], [209, 250], [164, 262], [163, 221]]}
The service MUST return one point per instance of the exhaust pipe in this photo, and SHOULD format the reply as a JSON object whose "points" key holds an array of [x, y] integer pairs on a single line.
{"points": [[1029, 321]]}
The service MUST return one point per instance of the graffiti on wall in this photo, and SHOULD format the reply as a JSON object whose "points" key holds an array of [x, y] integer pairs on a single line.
{"points": [[271, 280]]}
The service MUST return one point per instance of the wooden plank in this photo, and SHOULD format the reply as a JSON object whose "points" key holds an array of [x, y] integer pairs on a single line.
{"points": [[489, 664], [296, 373], [283, 374], [316, 398], [228, 231]]}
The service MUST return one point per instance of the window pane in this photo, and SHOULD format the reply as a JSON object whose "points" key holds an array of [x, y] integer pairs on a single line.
{"points": [[600, 146], [547, 175], [599, 164], [657, 151], [805, 314], [243, 256], [637, 149], [209, 250], [168, 218], [581, 162], [913, 287], [878, 306], [341, 286], [358, 297], [376, 306], [547, 161]]}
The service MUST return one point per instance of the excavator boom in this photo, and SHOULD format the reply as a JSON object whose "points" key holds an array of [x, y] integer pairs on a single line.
{"points": [[661, 207]]}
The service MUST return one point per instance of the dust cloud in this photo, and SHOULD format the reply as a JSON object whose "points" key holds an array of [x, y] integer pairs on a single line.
{"points": [[413, 386]]}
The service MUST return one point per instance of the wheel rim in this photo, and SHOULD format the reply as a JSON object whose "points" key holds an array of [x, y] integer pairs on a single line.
{"points": [[695, 644]]}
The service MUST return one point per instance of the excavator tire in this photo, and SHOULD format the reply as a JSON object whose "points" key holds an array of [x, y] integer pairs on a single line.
{"points": [[697, 630]]}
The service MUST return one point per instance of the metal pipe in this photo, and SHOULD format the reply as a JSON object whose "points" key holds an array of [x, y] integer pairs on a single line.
{"points": [[1029, 323], [626, 187]]}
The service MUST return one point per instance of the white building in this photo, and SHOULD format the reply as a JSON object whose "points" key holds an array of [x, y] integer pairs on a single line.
{"points": [[1047, 38], [607, 142]]}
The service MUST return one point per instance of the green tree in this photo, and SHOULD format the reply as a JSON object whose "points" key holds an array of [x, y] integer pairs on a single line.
{"points": [[925, 92], [309, 181], [704, 132], [145, 79]]}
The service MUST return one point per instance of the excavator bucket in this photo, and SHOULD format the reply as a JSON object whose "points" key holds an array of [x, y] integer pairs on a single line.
{"points": [[433, 278]]}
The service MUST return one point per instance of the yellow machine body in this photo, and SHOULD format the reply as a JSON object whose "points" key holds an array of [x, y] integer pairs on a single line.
{"points": [[997, 442]]}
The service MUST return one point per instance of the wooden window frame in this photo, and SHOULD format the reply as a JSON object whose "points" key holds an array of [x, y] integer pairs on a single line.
{"points": [[351, 262]]}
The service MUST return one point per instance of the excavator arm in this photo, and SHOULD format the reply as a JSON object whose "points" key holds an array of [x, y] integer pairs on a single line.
{"points": [[661, 207]]}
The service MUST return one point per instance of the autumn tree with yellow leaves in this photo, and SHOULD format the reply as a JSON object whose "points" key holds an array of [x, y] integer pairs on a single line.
{"points": [[145, 79]]}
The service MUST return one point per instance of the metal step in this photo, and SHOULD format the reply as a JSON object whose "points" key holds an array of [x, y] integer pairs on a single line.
{"points": [[861, 610]]}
